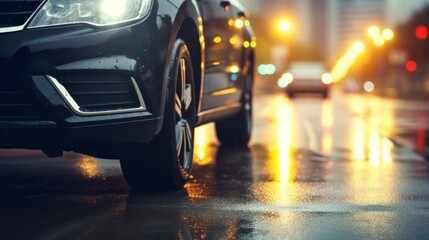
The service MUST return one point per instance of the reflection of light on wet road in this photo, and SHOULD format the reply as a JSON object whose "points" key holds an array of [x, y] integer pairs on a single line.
{"points": [[327, 122], [386, 150], [358, 140], [204, 137], [374, 148], [284, 141], [372, 126], [279, 165], [372, 152], [205, 151], [89, 166]]}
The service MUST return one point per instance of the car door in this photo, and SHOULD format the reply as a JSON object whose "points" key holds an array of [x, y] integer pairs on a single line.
{"points": [[223, 32]]}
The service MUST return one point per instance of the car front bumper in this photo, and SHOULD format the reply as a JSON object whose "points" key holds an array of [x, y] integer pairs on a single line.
{"points": [[68, 87]]}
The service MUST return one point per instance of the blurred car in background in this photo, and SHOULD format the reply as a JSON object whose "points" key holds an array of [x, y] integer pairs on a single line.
{"points": [[306, 77], [125, 79]]}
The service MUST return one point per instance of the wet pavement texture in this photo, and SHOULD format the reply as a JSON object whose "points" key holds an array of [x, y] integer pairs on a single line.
{"points": [[349, 167]]}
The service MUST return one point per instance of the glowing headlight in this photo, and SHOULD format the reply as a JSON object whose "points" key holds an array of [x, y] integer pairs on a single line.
{"points": [[95, 12]]}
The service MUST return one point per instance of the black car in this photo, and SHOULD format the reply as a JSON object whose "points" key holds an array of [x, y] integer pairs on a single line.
{"points": [[125, 79]]}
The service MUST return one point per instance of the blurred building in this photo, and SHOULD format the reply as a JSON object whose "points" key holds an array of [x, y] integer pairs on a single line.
{"points": [[333, 25], [348, 21]]}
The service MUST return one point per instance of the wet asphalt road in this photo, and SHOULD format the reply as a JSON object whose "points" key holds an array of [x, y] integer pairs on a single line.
{"points": [[350, 167]]}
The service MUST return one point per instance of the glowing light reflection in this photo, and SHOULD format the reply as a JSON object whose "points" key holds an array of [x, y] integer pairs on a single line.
{"points": [[369, 141], [327, 123], [284, 142], [204, 139], [89, 166]]}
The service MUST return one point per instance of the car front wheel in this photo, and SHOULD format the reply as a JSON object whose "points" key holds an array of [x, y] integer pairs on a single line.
{"points": [[165, 163]]}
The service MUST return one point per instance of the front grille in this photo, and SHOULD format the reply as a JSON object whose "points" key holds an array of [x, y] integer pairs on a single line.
{"points": [[98, 92], [16, 13], [16, 102]]}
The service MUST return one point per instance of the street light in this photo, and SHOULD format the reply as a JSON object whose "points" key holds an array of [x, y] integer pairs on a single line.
{"points": [[379, 41], [379, 37], [387, 34], [284, 26], [373, 31], [358, 47]]}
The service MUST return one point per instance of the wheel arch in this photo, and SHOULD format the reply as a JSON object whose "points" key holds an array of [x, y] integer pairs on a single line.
{"points": [[188, 26], [189, 34]]}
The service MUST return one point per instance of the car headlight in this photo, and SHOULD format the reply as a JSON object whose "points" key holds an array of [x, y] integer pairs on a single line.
{"points": [[95, 12]]}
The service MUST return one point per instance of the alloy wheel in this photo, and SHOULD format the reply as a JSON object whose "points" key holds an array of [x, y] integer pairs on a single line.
{"points": [[184, 114]]}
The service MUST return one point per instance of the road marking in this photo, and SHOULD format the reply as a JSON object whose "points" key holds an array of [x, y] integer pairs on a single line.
{"points": [[311, 136]]}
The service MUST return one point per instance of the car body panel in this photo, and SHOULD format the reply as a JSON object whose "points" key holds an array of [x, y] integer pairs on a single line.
{"points": [[224, 53]]}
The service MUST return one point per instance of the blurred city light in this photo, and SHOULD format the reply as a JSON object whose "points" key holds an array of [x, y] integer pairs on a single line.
{"points": [[253, 44], [373, 31], [246, 44], [233, 40], [327, 78], [358, 47], [233, 69], [266, 69], [285, 80], [343, 64], [281, 83], [421, 32], [217, 40], [239, 23], [387, 34], [379, 41], [380, 37], [284, 25], [411, 66], [369, 86]]}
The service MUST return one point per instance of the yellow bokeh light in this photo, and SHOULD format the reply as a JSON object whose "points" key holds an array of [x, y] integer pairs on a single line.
{"points": [[233, 41], [253, 44], [373, 31], [358, 47], [284, 26], [217, 40], [387, 34], [379, 41], [246, 44], [233, 69], [239, 23], [231, 22]]}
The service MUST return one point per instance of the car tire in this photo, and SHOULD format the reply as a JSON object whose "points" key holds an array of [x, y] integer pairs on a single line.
{"points": [[165, 163], [236, 131]]}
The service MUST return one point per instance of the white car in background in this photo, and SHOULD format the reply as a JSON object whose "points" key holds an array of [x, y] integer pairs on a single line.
{"points": [[306, 77]]}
